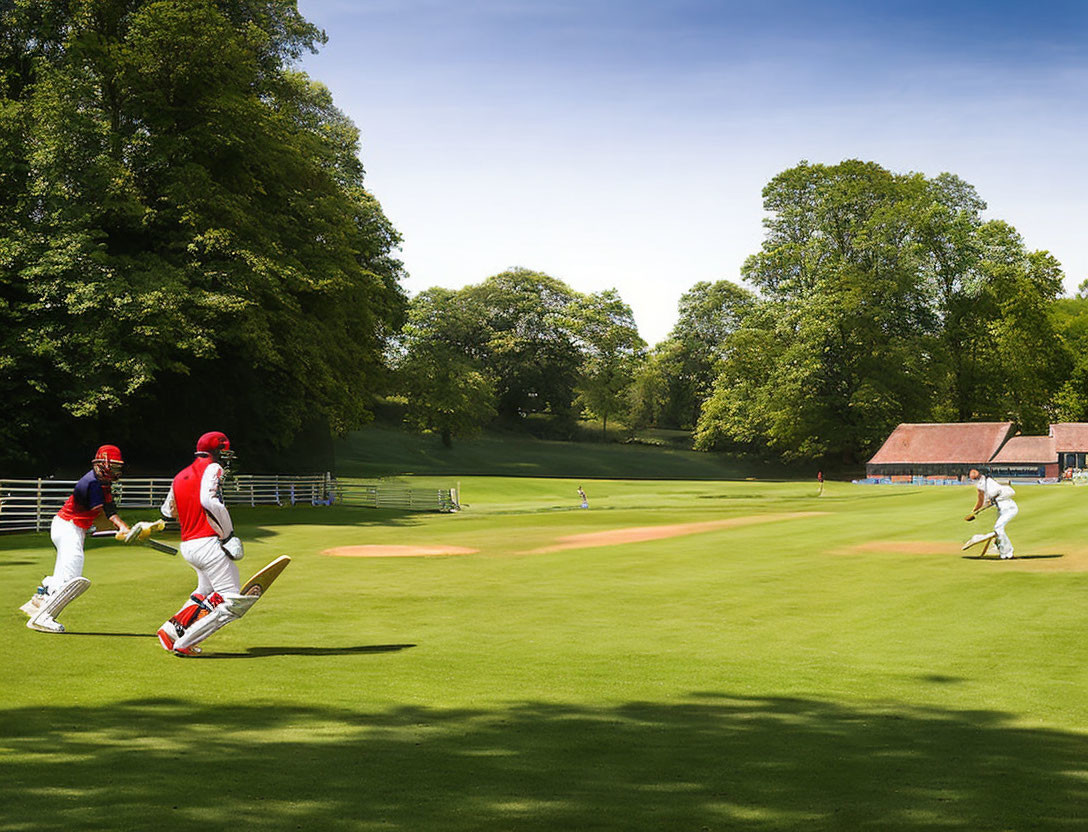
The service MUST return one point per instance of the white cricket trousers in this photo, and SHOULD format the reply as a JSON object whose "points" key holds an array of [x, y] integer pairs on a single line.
{"points": [[68, 538], [1006, 510], [215, 571]]}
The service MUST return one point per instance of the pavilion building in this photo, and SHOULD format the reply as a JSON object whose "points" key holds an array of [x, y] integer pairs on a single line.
{"points": [[938, 450], [1071, 444], [1030, 457]]}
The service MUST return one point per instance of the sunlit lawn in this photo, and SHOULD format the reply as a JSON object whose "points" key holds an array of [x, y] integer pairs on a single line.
{"points": [[810, 673]]}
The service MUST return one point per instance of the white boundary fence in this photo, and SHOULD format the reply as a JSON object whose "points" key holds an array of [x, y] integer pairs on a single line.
{"points": [[29, 505], [394, 495]]}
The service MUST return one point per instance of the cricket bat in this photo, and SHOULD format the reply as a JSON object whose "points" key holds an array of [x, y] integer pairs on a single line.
{"points": [[258, 585], [977, 539], [158, 546], [975, 514]]}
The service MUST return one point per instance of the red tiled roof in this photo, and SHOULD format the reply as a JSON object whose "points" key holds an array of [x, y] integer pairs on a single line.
{"points": [[1070, 437], [960, 442], [1034, 449]]}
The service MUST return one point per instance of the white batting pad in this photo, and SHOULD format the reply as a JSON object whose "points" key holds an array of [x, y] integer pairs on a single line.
{"points": [[60, 599], [239, 605]]}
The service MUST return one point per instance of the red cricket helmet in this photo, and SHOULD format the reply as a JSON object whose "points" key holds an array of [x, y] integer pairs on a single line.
{"points": [[217, 445], [108, 462]]}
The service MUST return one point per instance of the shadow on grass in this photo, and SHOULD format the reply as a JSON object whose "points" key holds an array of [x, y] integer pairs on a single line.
{"points": [[941, 679], [260, 652], [1018, 557], [731, 496], [260, 523], [713, 762]]}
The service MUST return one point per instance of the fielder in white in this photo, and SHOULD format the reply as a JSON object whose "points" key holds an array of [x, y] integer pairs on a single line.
{"points": [[209, 545], [991, 491]]}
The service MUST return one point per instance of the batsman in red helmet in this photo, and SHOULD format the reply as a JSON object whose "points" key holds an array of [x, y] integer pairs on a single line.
{"points": [[90, 498], [209, 545]]}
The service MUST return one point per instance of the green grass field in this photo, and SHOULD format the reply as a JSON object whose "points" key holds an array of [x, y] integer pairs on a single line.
{"points": [[842, 670]]}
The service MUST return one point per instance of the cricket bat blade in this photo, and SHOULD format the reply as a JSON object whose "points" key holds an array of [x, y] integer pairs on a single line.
{"points": [[259, 583]]}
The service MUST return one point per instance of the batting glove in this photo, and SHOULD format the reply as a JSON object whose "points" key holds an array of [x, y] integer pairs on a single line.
{"points": [[232, 546]]}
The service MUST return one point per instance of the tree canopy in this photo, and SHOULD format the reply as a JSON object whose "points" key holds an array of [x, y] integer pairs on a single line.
{"points": [[185, 237], [884, 298], [445, 388], [612, 349], [519, 344]]}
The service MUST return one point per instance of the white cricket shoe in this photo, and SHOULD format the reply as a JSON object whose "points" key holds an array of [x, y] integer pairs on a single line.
{"points": [[45, 623], [1005, 556]]}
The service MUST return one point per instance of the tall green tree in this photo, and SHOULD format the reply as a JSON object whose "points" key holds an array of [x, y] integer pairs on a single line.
{"points": [[439, 371], [1027, 361], [519, 343], [654, 393], [186, 213], [1070, 319], [884, 298], [947, 223], [838, 354], [612, 350], [708, 314], [529, 342]]}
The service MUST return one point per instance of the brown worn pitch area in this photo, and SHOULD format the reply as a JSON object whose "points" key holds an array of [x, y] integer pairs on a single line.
{"points": [[612, 537], [640, 534], [905, 547], [375, 551], [1046, 559]]}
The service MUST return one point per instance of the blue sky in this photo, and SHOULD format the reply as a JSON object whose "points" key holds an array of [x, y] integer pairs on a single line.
{"points": [[625, 144]]}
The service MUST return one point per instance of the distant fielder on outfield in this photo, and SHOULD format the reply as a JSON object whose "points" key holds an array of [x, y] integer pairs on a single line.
{"points": [[90, 498], [991, 491], [209, 545]]}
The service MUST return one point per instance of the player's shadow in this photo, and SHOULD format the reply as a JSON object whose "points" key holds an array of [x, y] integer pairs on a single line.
{"points": [[264, 652], [730, 497], [1012, 560], [941, 679]]}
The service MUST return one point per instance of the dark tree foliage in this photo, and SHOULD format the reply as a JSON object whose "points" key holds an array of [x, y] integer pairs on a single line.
{"points": [[440, 374], [529, 342], [185, 239]]}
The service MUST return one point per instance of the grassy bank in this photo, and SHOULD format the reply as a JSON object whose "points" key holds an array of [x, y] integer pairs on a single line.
{"points": [[383, 451]]}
